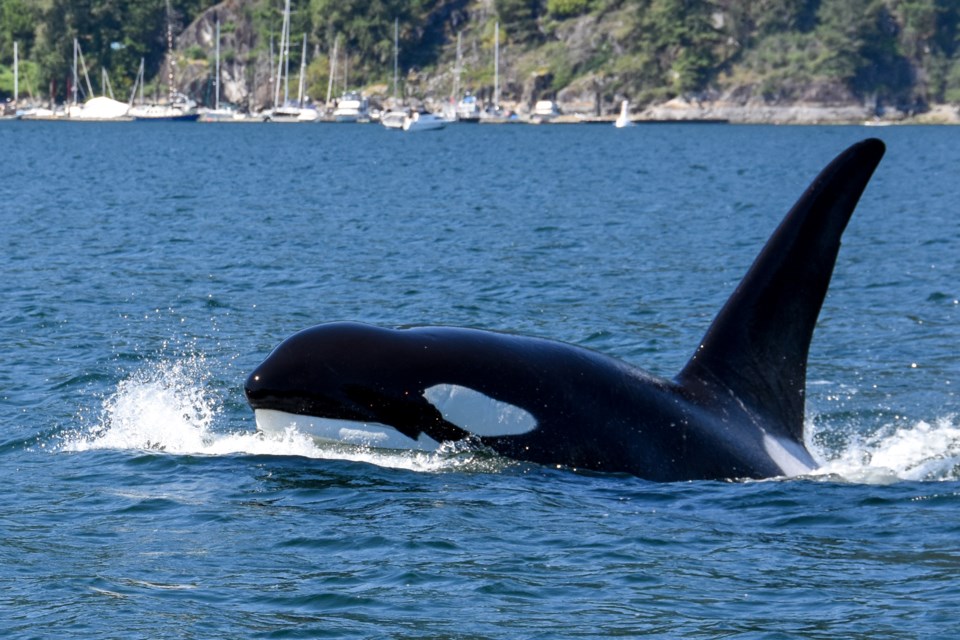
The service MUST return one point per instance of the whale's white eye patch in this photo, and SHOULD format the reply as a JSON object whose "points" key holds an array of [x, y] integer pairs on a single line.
{"points": [[478, 413]]}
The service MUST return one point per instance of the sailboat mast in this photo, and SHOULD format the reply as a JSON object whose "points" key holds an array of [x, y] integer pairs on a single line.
{"points": [[86, 76], [286, 55], [496, 66], [303, 72], [333, 68], [396, 56], [16, 75], [216, 79], [76, 77], [456, 76], [283, 32], [170, 89], [138, 83]]}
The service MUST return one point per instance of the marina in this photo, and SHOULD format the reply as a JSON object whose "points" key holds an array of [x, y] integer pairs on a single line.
{"points": [[151, 267]]}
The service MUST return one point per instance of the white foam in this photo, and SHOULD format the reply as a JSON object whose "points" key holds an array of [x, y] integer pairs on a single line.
{"points": [[169, 407], [921, 451], [163, 407]]}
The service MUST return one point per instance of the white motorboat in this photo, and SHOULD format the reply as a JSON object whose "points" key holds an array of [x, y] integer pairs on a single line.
{"points": [[351, 107], [423, 121], [394, 118]]}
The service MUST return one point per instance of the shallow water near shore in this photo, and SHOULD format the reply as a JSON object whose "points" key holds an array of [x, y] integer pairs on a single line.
{"points": [[148, 268]]}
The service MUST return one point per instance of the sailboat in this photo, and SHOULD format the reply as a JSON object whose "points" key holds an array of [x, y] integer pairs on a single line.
{"points": [[623, 120], [289, 111], [351, 106], [218, 113], [99, 108], [467, 108], [394, 117], [493, 112], [178, 107]]}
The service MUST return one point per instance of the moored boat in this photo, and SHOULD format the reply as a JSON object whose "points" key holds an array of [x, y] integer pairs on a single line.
{"points": [[351, 107], [468, 109], [423, 121], [394, 118]]}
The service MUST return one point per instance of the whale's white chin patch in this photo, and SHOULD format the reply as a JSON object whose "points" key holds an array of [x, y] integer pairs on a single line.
{"points": [[325, 430], [478, 413]]}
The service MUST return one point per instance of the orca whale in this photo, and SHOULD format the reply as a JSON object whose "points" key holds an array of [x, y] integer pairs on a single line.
{"points": [[735, 411]]}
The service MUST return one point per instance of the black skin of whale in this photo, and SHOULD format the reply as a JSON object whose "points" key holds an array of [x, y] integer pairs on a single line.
{"points": [[745, 381]]}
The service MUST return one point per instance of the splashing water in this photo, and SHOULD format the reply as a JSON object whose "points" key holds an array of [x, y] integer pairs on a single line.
{"points": [[168, 407], [919, 452], [164, 407]]}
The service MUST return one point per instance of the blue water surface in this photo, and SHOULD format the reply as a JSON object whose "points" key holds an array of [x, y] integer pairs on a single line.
{"points": [[147, 268]]}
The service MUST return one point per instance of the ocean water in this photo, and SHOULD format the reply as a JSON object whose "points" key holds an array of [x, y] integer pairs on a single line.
{"points": [[148, 268]]}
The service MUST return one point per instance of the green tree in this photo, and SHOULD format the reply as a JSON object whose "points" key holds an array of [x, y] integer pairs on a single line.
{"points": [[18, 20], [929, 40], [518, 19], [683, 39], [567, 8], [365, 29], [860, 48]]}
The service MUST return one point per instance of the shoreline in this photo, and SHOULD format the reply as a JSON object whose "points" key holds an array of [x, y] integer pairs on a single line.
{"points": [[798, 113], [678, 111]]}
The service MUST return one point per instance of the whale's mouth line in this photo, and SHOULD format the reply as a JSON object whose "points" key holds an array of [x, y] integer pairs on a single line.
{"points": [[275, 423]]}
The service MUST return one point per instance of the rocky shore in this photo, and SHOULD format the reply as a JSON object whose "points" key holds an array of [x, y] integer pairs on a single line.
{"points": [[796, 113], [247, 81]]}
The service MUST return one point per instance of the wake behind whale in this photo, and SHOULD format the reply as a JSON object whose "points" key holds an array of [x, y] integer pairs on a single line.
{"points": [[736, 410]]}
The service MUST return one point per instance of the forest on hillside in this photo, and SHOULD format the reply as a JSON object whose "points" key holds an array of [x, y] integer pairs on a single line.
{"points": [[903, 52]]}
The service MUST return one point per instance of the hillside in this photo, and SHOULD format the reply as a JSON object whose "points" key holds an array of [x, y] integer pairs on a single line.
{"points": [[781, 60]]}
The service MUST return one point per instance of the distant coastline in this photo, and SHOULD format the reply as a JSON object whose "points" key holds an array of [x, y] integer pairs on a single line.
{"points": [[797, 113], [684, 111]]}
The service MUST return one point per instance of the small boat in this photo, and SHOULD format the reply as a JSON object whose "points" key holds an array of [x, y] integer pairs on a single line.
{"points": [[102, 109], [623, 120], [219, 113], [423, 121], [394, 118], [98, 108], [292, 112], [544, 111], [299, 110], [468, 109], [351, 107], [178, 109]]}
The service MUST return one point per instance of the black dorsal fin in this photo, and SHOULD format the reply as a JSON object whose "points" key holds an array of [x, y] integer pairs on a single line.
{"points": [[756, 348]]}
